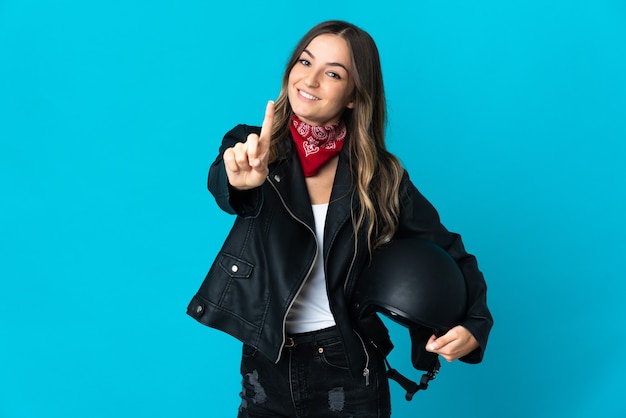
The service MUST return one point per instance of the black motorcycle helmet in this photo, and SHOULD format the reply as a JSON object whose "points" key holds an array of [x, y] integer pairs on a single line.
{"points": [[417, 284]]}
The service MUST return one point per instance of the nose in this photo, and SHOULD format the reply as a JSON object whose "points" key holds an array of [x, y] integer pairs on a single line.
{"points": [[311, 80]]}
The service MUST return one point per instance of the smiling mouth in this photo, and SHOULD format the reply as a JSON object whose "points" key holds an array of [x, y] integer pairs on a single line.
{"points": [[307, 95]]}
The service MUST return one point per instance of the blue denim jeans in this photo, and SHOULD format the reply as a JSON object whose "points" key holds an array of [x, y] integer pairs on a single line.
{"points": [[312, 380]]}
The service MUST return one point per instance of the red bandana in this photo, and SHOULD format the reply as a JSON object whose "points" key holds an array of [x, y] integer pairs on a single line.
{"points": [[316, 144]]}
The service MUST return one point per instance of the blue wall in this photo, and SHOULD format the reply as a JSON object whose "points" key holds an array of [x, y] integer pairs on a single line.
{"points": [[510, 116]]}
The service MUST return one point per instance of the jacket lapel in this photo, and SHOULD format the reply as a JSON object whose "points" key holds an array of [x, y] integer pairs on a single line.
{"points": [[288, 180], [343, 201]]}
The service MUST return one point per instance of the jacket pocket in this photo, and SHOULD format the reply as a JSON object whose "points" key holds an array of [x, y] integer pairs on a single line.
{"points": [[235, 267], [232, 289]]}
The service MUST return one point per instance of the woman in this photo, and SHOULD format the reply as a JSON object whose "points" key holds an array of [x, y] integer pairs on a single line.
{"points": [[315, 193]]}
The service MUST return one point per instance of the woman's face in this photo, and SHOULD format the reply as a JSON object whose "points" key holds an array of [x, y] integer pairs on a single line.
{"points": [[320, 84]]}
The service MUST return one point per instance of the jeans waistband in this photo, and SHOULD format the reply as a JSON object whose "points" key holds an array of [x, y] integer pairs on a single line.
{"points": [[311, 337]]}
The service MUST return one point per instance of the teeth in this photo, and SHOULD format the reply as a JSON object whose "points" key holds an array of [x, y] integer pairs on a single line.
{"points": [[308, 96]]}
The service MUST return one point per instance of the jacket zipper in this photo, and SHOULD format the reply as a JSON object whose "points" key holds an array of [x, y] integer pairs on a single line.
{"points": [[284, 324], [366, 370]]}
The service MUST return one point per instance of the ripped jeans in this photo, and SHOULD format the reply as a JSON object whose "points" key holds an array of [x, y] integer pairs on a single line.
{"points": [[312, 380]]}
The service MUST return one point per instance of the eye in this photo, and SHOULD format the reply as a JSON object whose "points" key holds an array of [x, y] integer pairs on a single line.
{"points": [[334, 75], [304, 62]]}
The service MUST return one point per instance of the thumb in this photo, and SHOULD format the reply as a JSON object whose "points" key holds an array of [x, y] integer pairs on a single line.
{"points": [[438, 343], [432, 343]]}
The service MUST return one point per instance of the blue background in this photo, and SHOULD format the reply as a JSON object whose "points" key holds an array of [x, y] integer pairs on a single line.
{"points": [[510, 117]]}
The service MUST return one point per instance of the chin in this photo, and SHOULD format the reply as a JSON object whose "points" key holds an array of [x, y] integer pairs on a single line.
{"points": [[303, 116]]}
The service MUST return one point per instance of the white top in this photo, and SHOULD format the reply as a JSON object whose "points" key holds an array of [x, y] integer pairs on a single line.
{"points": [[311, 311]]}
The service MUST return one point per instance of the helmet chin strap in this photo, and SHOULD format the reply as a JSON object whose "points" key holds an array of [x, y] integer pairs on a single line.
{"points": [[378, 335], [407, 384]]}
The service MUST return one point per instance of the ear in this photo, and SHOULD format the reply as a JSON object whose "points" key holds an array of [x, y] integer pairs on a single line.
{"points": [[350, 104]]}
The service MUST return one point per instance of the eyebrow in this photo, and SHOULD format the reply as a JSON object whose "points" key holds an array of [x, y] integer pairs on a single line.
{"points": [[334, 64]]}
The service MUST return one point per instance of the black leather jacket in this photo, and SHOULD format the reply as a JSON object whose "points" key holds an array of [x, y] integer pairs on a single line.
{"points": [[271, 249]]}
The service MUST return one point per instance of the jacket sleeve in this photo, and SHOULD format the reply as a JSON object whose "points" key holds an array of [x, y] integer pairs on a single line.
{"points": [[244, 203], [419, 218]]}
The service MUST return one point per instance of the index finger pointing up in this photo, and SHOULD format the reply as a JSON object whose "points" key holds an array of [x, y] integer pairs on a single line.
{"points": [[268, 121], [263, 145]]}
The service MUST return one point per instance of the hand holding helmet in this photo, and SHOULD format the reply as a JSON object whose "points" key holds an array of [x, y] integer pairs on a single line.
{"points": [[454, 344]]}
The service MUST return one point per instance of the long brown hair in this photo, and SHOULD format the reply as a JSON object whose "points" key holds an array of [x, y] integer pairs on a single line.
{"points": [[377, 172]]}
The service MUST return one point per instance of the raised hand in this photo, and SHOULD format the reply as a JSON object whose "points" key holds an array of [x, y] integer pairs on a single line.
{"points": [[246, 162]]}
